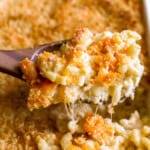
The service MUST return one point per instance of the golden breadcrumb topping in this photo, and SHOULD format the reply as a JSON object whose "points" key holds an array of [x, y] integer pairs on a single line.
{"points": [[31, 24], [97, 128]]}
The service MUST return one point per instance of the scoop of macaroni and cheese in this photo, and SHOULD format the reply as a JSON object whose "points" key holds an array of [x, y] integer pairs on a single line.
{"points": [[94, 67]]}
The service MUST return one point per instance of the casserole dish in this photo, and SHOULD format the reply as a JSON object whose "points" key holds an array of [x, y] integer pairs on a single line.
{"points": [[27, 23]]}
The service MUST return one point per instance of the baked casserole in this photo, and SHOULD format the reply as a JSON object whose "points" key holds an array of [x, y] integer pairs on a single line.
{"points": [[81, 125]]}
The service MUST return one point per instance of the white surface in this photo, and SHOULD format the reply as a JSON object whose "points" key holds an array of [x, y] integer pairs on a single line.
{"points": [[146, 4]]}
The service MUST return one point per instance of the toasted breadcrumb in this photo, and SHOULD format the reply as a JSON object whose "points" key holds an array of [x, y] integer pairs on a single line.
{"points": [[97, 128]]}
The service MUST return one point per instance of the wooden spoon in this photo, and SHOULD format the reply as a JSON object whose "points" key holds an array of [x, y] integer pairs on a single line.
{"points": [[10, 59]]}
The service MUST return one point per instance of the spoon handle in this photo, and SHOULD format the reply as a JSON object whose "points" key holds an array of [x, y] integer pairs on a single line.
{"points": [[10, 59]]}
